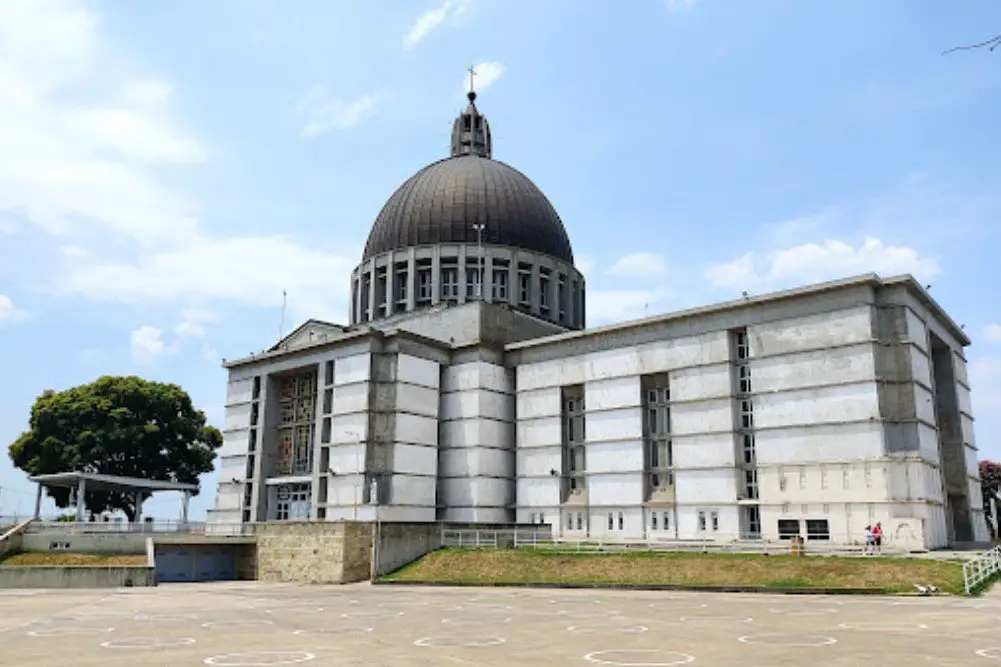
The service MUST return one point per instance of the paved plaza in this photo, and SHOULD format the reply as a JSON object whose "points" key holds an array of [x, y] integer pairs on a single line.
{"points": [[251, 623]]}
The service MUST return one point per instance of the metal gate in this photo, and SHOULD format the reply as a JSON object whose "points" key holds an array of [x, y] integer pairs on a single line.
{"points": [[179, 563]]}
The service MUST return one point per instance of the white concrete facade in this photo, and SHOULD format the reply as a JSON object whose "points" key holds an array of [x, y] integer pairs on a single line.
{"points": [[815, 411]]}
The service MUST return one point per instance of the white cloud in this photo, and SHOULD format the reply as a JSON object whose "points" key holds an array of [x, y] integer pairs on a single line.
{"points": [[610, 306], [638, 265], [321, 112], [147, 344], [815, 262], [678, 5], [427, 22], [74, 252], [487, 73], [148, 93], [241, 269], [193, 321], [68, 167], [9, 313], [992, 332], [211, 355]]}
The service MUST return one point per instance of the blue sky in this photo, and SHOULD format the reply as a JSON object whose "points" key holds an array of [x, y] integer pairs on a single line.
{"points": [[167, 169]]}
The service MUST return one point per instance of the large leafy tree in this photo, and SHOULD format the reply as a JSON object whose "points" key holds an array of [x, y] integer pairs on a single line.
{"points": [[990, 479], [117, 426]]}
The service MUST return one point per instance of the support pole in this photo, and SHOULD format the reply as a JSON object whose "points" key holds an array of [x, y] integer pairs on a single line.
{"points": [[38, 501], [184, 507], [139, 507], [81, 491]]}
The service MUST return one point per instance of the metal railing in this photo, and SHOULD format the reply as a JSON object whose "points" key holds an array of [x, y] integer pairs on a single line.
{"points": [[980, 569], [142, 528], [542, 540]]}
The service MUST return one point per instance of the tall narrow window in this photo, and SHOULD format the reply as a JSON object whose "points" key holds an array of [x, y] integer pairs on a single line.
{"points": [[746, 414], [544, 292], [402, 280], [472, 282], [659, 453], [524, 285], [450, 283], [500, 285], [750, 452], [574, 437], [424, 285]]}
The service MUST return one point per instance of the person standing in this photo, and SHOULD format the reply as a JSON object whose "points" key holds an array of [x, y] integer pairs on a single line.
{"points": [[877, 537], [869, 540]]}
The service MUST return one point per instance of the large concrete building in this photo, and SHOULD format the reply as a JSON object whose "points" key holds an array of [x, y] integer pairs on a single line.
{"points": [[466, 389]]}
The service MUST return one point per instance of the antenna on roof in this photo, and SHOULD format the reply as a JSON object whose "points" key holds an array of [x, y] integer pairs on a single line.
{"points": [[281, 323]]}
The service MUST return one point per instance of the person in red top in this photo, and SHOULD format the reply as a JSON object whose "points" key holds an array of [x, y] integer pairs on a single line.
{"points": [[877, 536]]}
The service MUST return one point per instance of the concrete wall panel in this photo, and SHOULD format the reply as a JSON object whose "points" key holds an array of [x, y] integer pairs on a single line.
{"points": [[414, 370], [539, 403], [928, 442], [239, 391], [417, 400], [356, 368], [853, 325], [538, 492], [539, 432], [614, 490], [234, 442], [615, 457], [847, 442], [703, 382], [415, 459], [924, 404], [839, 365], [350, 398], [477, 492], [613, 393], [475, 461], [237, 416], [614, 425], [702, 417], [705, 486], [917, 333], [817, 406], [538, 461], [704, 451], [920, 367], [416, 429]]}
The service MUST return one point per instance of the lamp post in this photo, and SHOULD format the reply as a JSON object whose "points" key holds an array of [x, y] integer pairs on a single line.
{"points": [[479, 251]]}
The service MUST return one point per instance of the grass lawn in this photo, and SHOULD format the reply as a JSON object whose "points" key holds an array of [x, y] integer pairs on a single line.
{"points": [[61, 559], [893, 575]]}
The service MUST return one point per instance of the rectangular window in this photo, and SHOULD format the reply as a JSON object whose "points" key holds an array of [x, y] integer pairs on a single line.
{"points": [[611, 521], [524, 288], [750, 454], [622, 521], [788, 528], [252, 440], [402, 280], [450, 283], [254, 413], [653, 521], [293, 501], [424, 285], [658, 448], [714, 520], [751, 484], [746, 414], [532, 519], [667, 520], [473, 282], [561, 297], [257, 388], [744, 379], [500, 285], [702, 521], [250, 467], [542, 518], [741, 347], [817, 529], [325, 430], [580, 521], [328, 401], [544, 292], [574, 439], [328, 373], [752, 517]]}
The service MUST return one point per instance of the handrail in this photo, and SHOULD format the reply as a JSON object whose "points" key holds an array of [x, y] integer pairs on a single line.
{"points": [[981, 568]]}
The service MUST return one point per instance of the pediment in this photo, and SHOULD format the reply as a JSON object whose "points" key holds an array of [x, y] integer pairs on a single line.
{"points": [[310, 333]]}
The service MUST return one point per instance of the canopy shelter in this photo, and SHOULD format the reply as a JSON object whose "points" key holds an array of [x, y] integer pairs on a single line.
{"points": [[86, 481]]}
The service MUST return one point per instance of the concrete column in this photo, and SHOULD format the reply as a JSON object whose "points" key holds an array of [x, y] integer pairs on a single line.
{"points": [[373, 308], [81, 491], [139, 507], [435, 275], [412, 284], [38, 502], [184, 506], [461, 263]]}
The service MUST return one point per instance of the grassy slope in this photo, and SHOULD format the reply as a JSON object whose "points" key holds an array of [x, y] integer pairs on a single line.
{"points": [[689, 569], [61, 559]]}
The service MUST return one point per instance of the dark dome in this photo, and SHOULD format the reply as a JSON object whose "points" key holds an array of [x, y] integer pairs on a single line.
{"points": [[442, 202]]}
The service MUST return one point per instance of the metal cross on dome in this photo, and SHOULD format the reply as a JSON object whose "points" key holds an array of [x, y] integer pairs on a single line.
{"points": [[472, 73]]}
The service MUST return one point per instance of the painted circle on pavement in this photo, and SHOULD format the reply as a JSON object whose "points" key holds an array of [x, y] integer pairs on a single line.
{"points": [[459, 642], [148, 642], [639, 657], [789, 641], [260, 659]]}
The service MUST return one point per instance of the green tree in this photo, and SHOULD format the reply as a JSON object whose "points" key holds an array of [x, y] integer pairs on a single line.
{"points": [[117, 426]]}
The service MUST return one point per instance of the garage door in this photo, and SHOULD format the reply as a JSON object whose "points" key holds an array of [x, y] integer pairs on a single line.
{"points": [[176, 563]]}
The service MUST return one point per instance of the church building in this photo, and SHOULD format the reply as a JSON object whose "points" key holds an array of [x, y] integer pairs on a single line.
{"points": [[466, 388]]}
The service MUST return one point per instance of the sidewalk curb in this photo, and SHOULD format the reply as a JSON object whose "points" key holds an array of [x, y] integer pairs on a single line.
{"points": [[638, 587]]}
